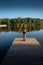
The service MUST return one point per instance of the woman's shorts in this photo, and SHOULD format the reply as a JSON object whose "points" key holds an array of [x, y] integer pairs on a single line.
{"points": [[24, 32]]}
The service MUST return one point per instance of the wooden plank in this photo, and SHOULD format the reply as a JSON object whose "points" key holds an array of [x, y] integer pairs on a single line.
{"points": [[30, 41], [3, 25]]}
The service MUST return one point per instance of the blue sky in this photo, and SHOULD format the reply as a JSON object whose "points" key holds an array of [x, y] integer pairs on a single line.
{"points": [[21, 8]]}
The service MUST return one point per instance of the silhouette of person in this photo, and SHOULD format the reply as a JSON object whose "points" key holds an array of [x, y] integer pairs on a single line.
{"points": [[23, 28], [24, 32]]}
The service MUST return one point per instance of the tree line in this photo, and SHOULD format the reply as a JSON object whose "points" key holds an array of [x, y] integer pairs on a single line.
{"points": [[15, 23]]}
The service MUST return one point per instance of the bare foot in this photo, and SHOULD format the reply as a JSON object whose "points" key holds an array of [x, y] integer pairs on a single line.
{"points": [[24, 40]]}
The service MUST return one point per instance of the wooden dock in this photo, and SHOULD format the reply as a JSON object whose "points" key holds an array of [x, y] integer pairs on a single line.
{"points": [[3, 25], [29, 41], [19, 54], [23, 54]]}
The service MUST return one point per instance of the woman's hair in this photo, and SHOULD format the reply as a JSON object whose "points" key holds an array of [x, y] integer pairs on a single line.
{"points": [[24, 25]]}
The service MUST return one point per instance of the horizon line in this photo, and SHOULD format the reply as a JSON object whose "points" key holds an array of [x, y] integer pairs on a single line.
{"points": [[19, 17]]}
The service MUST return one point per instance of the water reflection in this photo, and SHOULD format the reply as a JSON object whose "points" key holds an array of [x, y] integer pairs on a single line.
{"points": [[8, 36], [8, 29]]}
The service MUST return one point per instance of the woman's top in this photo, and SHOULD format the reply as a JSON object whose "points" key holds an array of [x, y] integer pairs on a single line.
{"points": [[24, 31]]}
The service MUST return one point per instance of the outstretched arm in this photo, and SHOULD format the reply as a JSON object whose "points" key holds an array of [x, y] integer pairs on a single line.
{"points": [[27, 28], [20, 30]]}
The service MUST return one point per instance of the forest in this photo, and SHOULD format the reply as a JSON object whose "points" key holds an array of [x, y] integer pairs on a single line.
{"points": [[14, 24]]}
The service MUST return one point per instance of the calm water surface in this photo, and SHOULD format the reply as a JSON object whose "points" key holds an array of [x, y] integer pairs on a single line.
{"points": [[6, 39]]}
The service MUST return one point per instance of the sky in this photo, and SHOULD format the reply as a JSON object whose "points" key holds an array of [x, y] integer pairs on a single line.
{"points": [[21, 8]]}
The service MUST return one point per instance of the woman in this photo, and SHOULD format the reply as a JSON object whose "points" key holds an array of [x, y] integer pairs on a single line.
{"points": [[24, 35], [24, 32], [23, 28]]}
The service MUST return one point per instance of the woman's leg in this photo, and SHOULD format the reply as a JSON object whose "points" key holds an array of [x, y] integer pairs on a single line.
{"points": [[24, 36]]}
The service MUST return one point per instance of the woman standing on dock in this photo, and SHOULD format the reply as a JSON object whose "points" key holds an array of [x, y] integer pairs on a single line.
{"points": [[24, 32], [23, 28]]}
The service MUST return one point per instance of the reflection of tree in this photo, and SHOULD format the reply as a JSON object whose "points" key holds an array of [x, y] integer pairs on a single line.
{"points": [[23, 27], [15, 24], [13, 29]]}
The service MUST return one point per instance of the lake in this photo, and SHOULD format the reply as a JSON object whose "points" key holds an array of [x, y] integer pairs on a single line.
{"points": [[6, 39]]}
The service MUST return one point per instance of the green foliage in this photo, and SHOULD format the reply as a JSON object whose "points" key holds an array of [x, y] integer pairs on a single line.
{"points": [[15, 24]]}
